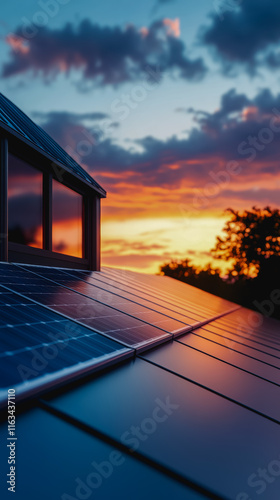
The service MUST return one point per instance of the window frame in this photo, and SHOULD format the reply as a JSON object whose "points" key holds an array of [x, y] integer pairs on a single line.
{"points": [[15, 252], [42, 195], [83, 216]]}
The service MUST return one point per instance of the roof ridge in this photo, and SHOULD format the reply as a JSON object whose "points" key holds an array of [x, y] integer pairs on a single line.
{"points": [[39, 137]]}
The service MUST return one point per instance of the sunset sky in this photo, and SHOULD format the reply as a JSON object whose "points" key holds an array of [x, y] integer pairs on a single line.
{"points": [[172, 106]]}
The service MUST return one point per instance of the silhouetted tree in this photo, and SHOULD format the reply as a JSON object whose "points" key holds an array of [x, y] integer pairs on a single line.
{"points": [[252, 237], [17, 234], [181, 270], [205, 278], [251, 245]]}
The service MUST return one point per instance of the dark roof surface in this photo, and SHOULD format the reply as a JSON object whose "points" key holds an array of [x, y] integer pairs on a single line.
{"points": [[189, 410], [15, 119]]}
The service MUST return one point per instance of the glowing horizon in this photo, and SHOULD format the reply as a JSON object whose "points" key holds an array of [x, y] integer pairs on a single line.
{"points": [[177, 126]]}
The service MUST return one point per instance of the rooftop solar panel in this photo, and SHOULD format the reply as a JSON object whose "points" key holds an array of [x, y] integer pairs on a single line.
{"points": [[170, 291], [15, 119], [156, 300], [249, 338], [39, 348], [110, 299], [221, 378], [254, 350], [105, 319], [197, 415], [63, 476], [230, 356], [205, 437], [207, 334], [100, 282], [252, 324]]}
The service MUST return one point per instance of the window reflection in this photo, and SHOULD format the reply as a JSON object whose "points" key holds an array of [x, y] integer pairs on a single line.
{"points": [[25, 206], [67, 227]]}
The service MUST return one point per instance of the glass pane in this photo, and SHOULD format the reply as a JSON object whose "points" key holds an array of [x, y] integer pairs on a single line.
{"points": [[67, 229], [25, 188]]}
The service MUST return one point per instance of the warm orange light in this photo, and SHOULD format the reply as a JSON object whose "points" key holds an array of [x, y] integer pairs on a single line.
{"points": [[67, 237], [17, 43]]}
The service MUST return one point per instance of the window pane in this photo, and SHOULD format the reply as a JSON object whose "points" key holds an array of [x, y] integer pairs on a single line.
{"points": [[67, 229], [25, 191]]}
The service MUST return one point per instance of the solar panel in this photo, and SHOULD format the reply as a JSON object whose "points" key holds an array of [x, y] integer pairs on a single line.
{"points": [[230, 355], [223, 379], [91, 467], [15, 119], [197, 414], [170, 291], [253, 325], [105, 319], [226, 337], [248, 338], [39, 347], [203, 436], [117, 301], [99, 281]]}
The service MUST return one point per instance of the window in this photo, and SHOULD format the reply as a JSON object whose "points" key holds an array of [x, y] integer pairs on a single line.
{"points": [[25, 203], [67, 223]]}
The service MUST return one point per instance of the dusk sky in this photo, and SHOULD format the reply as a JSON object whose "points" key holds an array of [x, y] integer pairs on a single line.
{"points": [[172, 106]]}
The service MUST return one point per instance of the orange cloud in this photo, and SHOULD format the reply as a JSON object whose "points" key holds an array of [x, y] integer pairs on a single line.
{"points": [[250, 112], [144, 31], [173, 27], [17, 43]]}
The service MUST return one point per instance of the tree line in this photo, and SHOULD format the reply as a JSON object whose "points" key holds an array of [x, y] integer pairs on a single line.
{"points": [[250, 244]]}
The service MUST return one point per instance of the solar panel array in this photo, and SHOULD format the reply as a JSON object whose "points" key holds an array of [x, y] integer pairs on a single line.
{"points": [[96, 317], [190, 409], [18, 121], [39, 347]]}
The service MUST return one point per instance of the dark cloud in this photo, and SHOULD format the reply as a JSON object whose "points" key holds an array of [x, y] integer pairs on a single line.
{"points": [[67, 207], [231, 103], [244, 34], [104, 55], [229, 118], [70, 129], [28, 216], [60, 247], [266, 101], [67, 116], [168, 163], [137, 246]]}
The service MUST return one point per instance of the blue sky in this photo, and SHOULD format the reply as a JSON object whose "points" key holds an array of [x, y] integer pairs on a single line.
{"points": [[155, 158], [32, 95]]}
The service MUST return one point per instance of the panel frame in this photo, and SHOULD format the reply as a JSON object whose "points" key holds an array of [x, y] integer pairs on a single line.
{"points": [[58, 378]]}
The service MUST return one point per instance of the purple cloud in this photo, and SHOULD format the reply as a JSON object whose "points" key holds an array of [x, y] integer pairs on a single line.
{"points": [[104, 55], [219, 137]]}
